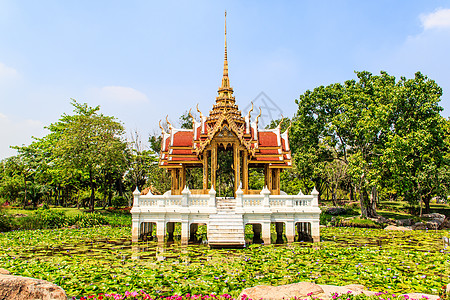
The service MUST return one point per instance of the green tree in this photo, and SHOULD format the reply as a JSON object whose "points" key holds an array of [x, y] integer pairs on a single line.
{"points": [[369, 125], [91, 142]]}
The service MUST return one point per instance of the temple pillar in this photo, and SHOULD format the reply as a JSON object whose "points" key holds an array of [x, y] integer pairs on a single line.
{"points": [[279, 230], [213, 164], [170, 230], [135, 230], [182, 177], [266, 236], [237, 166], [245, 171], [299, 232], [205, 171], [315, 231], [276, 181], [290, 231], [184, 232], [160, 231], [193, 232], [174, 185], [257, 233]]}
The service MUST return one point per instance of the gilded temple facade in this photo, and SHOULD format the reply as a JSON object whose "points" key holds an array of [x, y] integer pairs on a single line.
{"points": [[225, 132]]}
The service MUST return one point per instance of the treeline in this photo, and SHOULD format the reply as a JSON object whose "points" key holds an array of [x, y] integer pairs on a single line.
{"points": [[366, 140], [85, 160]]}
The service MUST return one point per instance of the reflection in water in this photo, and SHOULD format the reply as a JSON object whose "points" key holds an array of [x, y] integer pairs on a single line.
{"points": [[122, 250]]}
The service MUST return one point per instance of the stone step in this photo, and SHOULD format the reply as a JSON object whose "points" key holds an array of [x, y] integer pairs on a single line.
{"points": [[228, 230], [216, 217]]}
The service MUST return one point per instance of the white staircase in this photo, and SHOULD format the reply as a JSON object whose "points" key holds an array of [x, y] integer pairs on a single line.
{"points": [[226, 228]]}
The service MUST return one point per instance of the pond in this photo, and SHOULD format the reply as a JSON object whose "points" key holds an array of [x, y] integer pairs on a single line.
{"points": [[103, 259]]}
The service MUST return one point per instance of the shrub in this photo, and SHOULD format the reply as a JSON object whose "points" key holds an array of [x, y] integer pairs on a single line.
{"points": [[6, 221], [87, 220], [48, 218], [119, 201]]}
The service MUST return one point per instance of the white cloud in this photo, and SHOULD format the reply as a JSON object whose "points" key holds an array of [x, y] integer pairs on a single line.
{"points": [[438, 19], [16, 132], [120, 94], [7, 72]]}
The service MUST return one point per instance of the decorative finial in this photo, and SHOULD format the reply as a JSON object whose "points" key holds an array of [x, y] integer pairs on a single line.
{"points": [[259, 115], [250, 111], [168, 123], [162, 128], [281, 122], [201, 115], [225, 64], [225, 35]]}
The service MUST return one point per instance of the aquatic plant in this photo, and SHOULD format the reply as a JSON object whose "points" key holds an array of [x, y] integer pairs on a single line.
{"points": [[88, 261]]}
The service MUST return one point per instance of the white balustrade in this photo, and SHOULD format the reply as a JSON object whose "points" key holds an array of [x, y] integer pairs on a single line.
{"points": [[199, 200], [173, 201], [252, 201], [264, 199]]}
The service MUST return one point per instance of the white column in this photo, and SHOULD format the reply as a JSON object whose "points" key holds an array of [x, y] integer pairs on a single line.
{"points": [[315, 231], [135, 230], [290, 231], [160, 231], [266, 233], [184, 232]]}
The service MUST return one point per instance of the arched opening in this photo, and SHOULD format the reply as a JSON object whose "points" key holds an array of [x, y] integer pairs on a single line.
{"points": [[279, 232], [173, 232], [198, 233], [253, 233], [303, 232], [148, 231]]}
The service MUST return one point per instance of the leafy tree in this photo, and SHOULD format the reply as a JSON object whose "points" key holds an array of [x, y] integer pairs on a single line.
{"points": [[416, 151], [369, 126], [90, 142]]}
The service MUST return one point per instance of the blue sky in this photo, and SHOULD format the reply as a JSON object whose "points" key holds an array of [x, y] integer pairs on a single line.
{"points": [[142, 60]]}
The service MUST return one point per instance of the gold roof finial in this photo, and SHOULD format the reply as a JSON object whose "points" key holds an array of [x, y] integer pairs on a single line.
{"points": [[225, 62]]}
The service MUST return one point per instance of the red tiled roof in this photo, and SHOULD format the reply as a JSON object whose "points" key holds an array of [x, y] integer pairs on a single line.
{"points": [[181, 152], [273, 151], [268, 139], [178, 158], [183, 139]]}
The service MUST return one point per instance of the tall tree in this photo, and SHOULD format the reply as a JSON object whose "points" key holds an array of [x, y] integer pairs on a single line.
{"points": [[91, 142], [365, 124]]}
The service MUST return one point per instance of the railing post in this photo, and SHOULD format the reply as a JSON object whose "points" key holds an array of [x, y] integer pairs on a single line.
{"points": [[265, 192], [315, 199], [289, 201], [212, 197], [136, 194], [185, 199], [239, 195]]}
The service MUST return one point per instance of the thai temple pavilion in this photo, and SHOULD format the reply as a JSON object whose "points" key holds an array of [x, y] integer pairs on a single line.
{"points": [[225, 131]]}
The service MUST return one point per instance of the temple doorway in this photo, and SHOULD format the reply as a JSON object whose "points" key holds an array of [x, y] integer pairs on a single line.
{"points": [[225, 173]]}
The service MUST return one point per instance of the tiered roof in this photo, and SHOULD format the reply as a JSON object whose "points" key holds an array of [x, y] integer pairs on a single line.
{"points": [[186, 146]]}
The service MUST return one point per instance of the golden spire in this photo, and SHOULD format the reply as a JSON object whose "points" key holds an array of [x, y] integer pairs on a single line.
{"points": [[225, 102], [225, 79]]}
